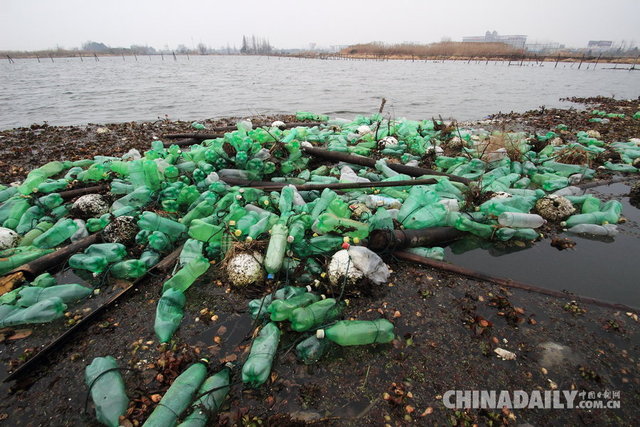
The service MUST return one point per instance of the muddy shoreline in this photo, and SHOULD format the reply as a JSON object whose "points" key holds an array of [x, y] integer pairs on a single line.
{"points": [[447, 326]]}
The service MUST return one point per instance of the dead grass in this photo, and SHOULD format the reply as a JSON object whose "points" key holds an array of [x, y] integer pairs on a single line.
{"points": [[443, 49]]}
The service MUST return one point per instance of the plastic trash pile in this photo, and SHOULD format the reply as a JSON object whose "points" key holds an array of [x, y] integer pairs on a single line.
{"points": [[155, 202], [169, 196]]}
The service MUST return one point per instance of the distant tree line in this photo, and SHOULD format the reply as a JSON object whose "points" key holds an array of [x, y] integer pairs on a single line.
{"points": [[255, 46]]}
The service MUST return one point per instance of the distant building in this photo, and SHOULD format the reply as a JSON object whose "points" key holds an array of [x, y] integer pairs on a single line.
{"points": [[544, 47], [600, 44], [517, 41]]}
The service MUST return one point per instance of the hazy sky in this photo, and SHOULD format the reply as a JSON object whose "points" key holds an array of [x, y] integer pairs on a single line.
{"points": [[42, 24]]}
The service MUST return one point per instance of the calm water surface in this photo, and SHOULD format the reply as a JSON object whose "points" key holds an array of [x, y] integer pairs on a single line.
{"points": [[70, 91]]}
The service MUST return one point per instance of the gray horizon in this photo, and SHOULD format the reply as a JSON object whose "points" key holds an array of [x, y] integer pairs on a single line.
{"points": [[41, 24]]}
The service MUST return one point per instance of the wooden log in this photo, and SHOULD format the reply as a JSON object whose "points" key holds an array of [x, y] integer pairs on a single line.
{"points": [[275, 186], [366, 161], [38, 266], [388, 240]]}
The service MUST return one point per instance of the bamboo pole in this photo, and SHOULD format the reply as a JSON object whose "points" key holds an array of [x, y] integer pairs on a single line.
{"points": [[163, 266]]}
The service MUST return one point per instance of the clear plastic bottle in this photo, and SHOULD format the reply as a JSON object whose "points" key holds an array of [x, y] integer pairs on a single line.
{"points": [[520, 220], [607, 230]]}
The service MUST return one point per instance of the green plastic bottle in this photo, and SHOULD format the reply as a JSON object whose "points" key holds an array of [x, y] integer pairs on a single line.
{"points": [[7, 193], [11, 212], [314, 315], [51, 201], [72, 292], [44, 281], [41, 312], [149, 258], [436, 253], [358, 332], [154, 222], [93, 263], [276, 249], [56, 235], [107, 390], [29, 219], [257, 368], [481, 230], [259, 307], [191, 250], [312, 349], [212, 394], [318, 245], [205, 232], [24, 255], [129, 269], [178, 397], [591, 204], [328, 222], [38, 176], [169, 314], [188, 274], [160, 242], [138, 198], [202, 209], [282, 309], [112, 252]]}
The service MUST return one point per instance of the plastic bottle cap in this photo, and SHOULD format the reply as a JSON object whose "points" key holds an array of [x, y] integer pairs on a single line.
{"points": [[346, 239], [249, 239], [356, 240], [270, 276], [238, 197], [323, 296], [232, 223], [320, 334], [290, 239], [345, 245], [237, 232], [308, 288]]}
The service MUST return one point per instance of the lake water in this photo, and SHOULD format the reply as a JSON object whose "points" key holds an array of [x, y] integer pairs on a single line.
{"points": [[71, 91]]}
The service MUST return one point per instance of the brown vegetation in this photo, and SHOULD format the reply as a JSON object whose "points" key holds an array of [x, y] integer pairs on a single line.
{"points": [[443, 49]]}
